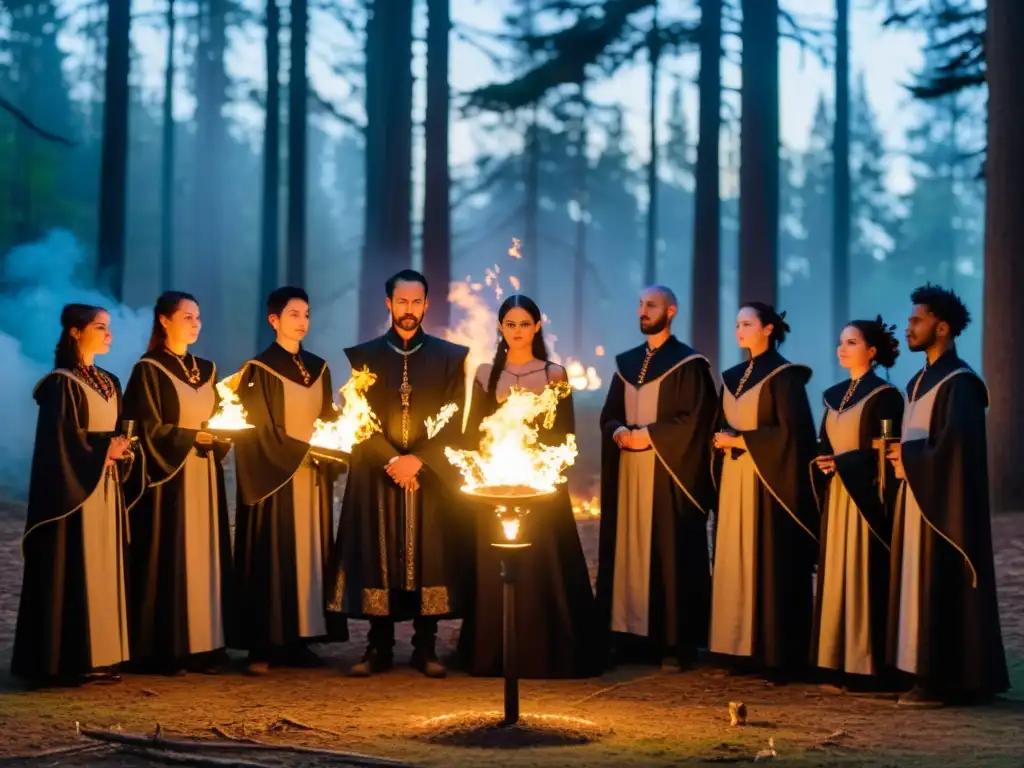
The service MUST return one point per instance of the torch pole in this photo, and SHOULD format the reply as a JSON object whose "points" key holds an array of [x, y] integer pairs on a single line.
{"points": [[508, 575]]}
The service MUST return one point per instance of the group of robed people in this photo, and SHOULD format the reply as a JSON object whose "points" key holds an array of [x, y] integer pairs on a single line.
{"points": [[821, 555]]}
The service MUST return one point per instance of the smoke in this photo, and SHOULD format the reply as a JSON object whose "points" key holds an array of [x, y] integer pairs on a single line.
{"points": [[38, 279]]}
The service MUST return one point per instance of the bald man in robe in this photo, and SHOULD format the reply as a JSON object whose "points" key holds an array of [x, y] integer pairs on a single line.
{"points": [[654, 579]]}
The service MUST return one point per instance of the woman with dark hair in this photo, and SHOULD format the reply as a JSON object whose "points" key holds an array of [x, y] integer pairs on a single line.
{"points": [[766, 525], [856, 505], [72, 619], [555, 603], [181, 546]]}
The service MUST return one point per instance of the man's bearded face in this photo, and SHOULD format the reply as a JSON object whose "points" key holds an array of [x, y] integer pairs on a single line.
{"points": [[654, 313], [408, 304], [922, 329]]}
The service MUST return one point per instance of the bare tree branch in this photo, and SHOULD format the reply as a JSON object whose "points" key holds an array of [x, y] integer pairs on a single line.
{"points": [[25, 120]]}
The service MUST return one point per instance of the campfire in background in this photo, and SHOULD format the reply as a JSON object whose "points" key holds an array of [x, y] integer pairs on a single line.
{"points": [[477, 328], [586, 509], [357, 420]]}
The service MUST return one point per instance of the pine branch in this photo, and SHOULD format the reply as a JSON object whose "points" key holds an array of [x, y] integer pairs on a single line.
{"points": [[25, 120], [570, 51]]}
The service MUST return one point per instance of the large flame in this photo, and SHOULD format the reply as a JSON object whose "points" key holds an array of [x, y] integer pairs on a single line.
{"points": [[357, 420], [230, 415], [510, 454]]}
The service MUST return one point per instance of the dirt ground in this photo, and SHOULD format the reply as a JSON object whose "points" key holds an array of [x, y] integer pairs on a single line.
{"points": [[634, 716]]}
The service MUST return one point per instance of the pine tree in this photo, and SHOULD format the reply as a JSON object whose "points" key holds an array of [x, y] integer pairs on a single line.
{"points": [[874, 218], [936, 242], [33, 172], [676, 206], [677, 151]]}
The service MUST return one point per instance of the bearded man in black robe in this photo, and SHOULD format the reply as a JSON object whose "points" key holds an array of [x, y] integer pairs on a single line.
{"points": [[396, 536], [943, 614], [653, 579]]}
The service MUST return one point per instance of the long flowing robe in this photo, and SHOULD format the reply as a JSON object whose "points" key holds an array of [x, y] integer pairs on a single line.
{"points": [[766, 522], [395, 550], [653, 576], [72, 618], [181, 599], [851, 605], [943, 615], [554, 602], [285, 514]]}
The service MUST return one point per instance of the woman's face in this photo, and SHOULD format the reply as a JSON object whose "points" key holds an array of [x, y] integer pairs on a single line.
{"points": [[183, 326], [750, 332], [518, 329], [95, 338], [853, 351]]}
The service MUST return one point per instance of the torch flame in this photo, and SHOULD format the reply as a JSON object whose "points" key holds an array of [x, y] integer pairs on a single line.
{"points": [[357, 420], [510, 454], [231, 415], [435, 424], [510, 528]]}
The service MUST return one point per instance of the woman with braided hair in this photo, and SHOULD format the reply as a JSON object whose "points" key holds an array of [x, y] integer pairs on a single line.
{"points": [[554, 604], [856, 506], [766, 524]]}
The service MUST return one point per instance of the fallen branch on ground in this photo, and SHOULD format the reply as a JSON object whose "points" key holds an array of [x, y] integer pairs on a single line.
{"points": [[161, 755], [216, 729], [150, 742], [611, 688], [276, 725], [833, 739], [70, 749]]}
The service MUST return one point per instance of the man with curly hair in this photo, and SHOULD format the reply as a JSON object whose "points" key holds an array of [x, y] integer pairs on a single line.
{"points": [[943, 615]]}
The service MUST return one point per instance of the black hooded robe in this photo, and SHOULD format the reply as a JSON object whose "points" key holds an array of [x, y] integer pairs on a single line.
{"points": [[655, 502], [851, 604], [72, 617], [766, 523], [392, 561], [284, 521], [555, 627], [943, 614], [181, 598]]}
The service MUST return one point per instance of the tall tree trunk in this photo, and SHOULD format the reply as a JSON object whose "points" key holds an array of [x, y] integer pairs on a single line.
{"points": [[297, 94], [706, 284], [269, 217], [211, 92], [370, 270], [388, 237], [114, 162], [651, 258], [529, 269], [1004, 269], [841, 175], [167, 162], [437, 235], [579, 276], [759, 153]]}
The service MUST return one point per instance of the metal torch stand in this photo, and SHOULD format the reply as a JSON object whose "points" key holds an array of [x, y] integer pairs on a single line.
{"points": [[510, 557]]}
